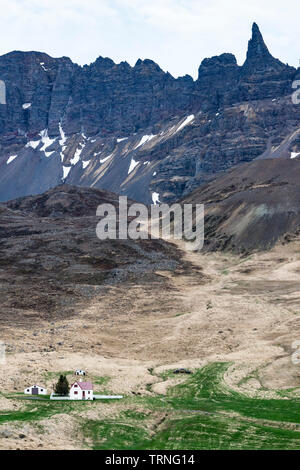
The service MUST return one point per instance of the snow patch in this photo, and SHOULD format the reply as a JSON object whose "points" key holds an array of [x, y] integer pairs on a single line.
{"points": [[155, 198], [121, 140], [77, 154], [46, 141], [62, 141], [66, 171], [295, 154], [106, 158], [187, 121], [33, 144], [26, 105], [144, 139], [85, 164], [154, 174], [42, 64], [132, 165], [11, 159], [62, 135]]}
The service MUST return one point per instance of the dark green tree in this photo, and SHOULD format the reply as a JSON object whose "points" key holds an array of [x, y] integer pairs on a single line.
{"points": [[62, 386]]}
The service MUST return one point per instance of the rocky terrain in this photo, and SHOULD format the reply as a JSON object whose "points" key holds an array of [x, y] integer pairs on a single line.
{"points": [[252, 206], [51, 260], [137, 130]]}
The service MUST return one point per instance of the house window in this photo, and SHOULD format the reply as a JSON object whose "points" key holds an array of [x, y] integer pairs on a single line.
{"points": [[75, 385], [28, 390], [75, 393]]}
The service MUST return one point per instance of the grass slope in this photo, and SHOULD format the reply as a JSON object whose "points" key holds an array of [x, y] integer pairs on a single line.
{"points": [[201, 413]]}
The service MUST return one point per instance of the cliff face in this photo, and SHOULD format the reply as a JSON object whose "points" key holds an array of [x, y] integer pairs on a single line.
{"points": [[103, 98], [37, 91], [137, 130]]}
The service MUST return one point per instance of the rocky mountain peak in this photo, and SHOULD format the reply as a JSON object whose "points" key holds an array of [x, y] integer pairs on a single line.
{"points": [[104, 63], [257, 41], [258, 55], [148, 65], [218, 61]]}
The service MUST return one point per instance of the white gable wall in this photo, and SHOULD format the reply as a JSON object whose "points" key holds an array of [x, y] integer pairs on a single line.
{"points": [[89, 394], [41, 390], [75, 392]]}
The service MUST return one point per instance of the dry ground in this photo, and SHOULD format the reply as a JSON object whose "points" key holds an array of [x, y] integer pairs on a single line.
{"points": [[228, 308]]}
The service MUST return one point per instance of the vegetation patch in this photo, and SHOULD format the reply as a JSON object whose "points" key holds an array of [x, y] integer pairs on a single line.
{"points": [[200, 413]]}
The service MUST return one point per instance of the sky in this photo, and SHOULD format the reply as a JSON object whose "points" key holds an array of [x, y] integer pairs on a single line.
{"points": [[177, 34]]}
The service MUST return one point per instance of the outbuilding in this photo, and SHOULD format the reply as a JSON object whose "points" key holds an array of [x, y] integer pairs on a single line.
{"points": [[35, 390]]}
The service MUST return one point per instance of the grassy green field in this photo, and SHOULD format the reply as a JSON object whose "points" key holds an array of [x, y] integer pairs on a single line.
{"points": [[200, 413]]}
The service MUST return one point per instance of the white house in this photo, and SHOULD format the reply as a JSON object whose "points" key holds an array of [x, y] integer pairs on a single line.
{"points": [[35, 390], [82, 391], [80, 372]]}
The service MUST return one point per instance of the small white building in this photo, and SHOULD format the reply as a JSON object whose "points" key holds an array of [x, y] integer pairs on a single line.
{"points": [[80, 372], [82, 391], [35, 390]]}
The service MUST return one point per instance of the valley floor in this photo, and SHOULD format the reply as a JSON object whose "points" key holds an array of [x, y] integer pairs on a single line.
{"points": [[231, 320]]}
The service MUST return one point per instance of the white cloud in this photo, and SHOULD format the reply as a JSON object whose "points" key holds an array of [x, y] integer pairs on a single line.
{"points": [[177, 34]]}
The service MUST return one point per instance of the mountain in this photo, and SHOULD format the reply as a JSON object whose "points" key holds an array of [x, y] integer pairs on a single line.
{"points": [[137, 130], [252, 206]]}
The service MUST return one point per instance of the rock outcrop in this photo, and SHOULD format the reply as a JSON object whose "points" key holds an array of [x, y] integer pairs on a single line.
{"points": [[258, 55]]}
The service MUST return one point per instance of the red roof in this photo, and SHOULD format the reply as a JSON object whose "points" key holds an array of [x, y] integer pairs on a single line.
{"points": [[85, 385]]}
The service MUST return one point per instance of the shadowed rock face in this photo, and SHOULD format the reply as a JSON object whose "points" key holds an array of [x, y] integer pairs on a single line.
{"points": [[217, 80], [252, 206], [137, 130], [38, 88]]}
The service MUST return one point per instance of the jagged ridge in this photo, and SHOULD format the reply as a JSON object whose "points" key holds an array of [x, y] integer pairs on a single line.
{"points": [[137, 130]]}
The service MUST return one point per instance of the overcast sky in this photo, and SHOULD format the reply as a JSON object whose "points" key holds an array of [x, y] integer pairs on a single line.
{"points": [[177, 34]]}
